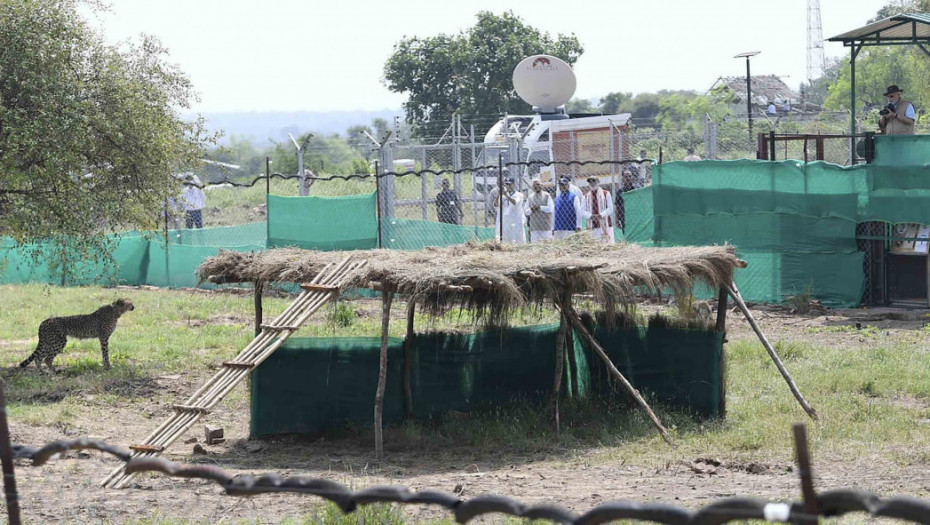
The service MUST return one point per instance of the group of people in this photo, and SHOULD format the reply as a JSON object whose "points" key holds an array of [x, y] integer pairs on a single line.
{"points": [[547, 217]]}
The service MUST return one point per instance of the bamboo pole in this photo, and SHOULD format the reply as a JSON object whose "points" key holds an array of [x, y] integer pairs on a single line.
{"points": [[557, 380], [721, 310], [408, 359], [386, 298], [6, 458], [572, 316], [734, 293]]}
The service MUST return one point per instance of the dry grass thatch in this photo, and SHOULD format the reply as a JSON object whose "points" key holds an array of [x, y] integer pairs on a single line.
{"points": [[491, 279]]}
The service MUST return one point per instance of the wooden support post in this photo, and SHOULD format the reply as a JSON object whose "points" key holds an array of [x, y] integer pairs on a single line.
{"points": [[734, 293], [386, 299], [557, 380], [722, 310], [572, 364], [802, 454], [721, 328], [572, 316], [408, 360], [258, 306], [6, 458]]}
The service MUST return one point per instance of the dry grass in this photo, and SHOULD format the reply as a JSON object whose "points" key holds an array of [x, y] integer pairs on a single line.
{"points": [[492, 280]]}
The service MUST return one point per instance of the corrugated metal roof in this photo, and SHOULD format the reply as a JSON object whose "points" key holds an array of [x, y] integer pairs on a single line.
{"points": [[898, 27]]}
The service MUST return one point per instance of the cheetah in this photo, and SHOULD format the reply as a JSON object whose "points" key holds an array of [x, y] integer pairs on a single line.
{"points": [[54, 332]]}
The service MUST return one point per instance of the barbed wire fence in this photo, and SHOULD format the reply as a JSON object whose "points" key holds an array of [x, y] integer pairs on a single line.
{"points": [[833, 503]]}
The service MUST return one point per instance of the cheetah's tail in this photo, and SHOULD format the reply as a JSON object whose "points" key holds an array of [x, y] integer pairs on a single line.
{"points": [[28, 360]]}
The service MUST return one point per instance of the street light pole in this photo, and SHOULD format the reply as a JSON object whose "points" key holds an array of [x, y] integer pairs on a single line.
{"points": [[747, 55]]}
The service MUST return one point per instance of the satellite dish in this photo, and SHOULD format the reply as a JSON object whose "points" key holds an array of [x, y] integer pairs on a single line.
{"points": [[544, 81]]}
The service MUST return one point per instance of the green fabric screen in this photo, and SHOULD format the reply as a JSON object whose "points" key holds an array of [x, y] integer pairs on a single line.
{"points": [[312, 385], [136, 259], [323, 223], [794, 222], [413, 234]]}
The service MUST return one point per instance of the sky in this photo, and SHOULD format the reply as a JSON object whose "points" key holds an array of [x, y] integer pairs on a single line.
{"points": [[299, 55]]}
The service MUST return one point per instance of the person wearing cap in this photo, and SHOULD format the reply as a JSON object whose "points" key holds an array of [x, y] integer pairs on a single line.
{"points": [[539, 209], [568, 211], [691, 156], [509, 206], [194, 200], [900, 117], [599, 210]]}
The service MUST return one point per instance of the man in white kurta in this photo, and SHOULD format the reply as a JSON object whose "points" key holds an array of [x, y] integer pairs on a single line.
{"points": [[539, 208], [510, 215], [599, 211]]}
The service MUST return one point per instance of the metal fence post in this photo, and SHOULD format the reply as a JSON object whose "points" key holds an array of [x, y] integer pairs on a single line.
{"points": [[378, 201], [6, 457], [500, 196]]}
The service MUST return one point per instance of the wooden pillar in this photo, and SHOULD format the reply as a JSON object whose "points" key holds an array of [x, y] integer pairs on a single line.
{"points": [[408, 360], [258, 306], [557, 380], [721, 328], [722, 310], [386, 298]]}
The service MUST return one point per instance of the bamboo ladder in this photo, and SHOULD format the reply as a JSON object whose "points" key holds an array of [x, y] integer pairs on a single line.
{"points": [[324, 287]]}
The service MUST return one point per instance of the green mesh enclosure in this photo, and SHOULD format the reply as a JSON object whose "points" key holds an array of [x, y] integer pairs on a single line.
{"points": [[323, 223], [314, 385], [412, 234], [136, 259], [794, 223]]}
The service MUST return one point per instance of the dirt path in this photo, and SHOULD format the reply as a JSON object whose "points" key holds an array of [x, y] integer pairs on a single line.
{"points": [[68, 488]]}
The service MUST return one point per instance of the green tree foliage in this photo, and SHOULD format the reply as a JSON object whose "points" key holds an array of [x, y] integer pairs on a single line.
{"points": [[89, 133], [469, 72], [879, 67], [614, 103], [580, 105]]}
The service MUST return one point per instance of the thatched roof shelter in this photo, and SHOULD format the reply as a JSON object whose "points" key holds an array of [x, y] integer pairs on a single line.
{"points": [[491, 279]]}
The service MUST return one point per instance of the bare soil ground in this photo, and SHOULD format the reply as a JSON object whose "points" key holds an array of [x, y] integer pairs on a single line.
{"points": [[68, 488]]}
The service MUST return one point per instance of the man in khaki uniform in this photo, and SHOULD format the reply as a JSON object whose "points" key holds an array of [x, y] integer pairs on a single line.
{"points": [[901, 120]]}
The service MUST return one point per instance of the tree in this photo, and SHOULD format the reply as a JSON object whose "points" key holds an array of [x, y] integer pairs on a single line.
{"points": [[614, 103], [470, 72], [579, 105], [89, 133], [878, 67]]}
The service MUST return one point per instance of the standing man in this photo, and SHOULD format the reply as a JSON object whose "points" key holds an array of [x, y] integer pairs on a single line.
{"points": [[448, 205], [194, 201], [691, 156], [568, 211], [626, 184], [599, 210], [539, 209], [510, 214], [898, 116]]}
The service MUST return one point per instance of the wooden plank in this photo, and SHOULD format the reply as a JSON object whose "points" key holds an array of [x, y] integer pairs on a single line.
{"points": [[313, 287], [231, 364], [146, 448], [188, 408]]}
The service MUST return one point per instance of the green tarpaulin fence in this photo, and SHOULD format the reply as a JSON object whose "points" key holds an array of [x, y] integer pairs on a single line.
{"points": [[314, 385], [323, 223], [134, 259]]}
